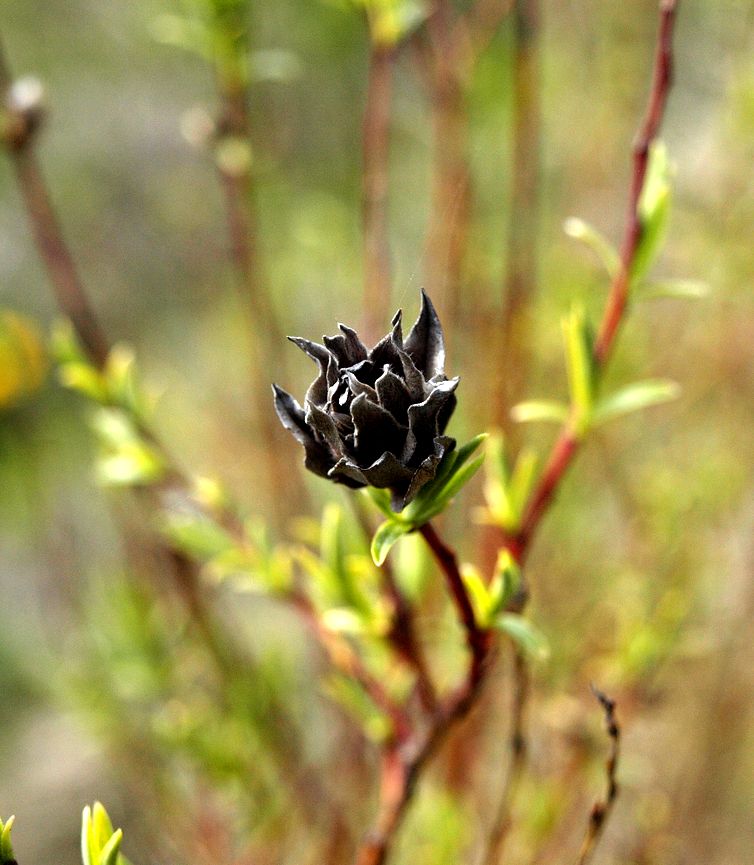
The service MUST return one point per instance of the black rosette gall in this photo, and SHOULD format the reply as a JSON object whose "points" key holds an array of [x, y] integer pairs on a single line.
{"points": [[376, 418]]}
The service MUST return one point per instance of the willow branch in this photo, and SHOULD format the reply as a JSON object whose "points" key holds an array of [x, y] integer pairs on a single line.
{"points": [[601, 810], [70, 293], [74, 302], [567, 443], [476, 638], [402, 766]]}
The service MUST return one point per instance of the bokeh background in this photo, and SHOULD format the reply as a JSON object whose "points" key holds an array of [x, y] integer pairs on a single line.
{"points": [[643, 575]]}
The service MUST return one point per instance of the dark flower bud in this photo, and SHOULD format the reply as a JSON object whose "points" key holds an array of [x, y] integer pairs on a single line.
{"points": [[376, 418]]}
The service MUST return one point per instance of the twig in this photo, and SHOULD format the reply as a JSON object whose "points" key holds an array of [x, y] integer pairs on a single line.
{"points": [[74, 302], [376, 153], [601, 810], [402, 766], [477, 639], [69, 290], [502, 823], [567, 444]]}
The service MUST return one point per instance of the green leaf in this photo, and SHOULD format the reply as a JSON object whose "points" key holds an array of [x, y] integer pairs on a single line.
{"points": [[505, 582], [605, 251], [384, 538], [669, 288], [381, 498], [580, 365], [333, 554], [85, 379], [451, 476], [506, 491], [521, 482], [540, 410], [634, 397], [109, 854], [6, 848], [478, 594], [100, 845], [653, 210], [528, 638], [197, 536]]}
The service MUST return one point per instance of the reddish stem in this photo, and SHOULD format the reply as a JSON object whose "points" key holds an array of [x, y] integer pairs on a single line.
{"points": [[566, 444], [477, 639]]}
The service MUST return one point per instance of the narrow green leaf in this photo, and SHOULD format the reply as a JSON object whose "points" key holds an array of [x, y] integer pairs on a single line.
{"points": [[102, 828], [580, 366], [463, 453], [653, 210], [598, 243], [381, 499], [505, 582], [452, 474], [333, 553], [634, 397], [88, 850], [444, 496], [478, 594], [522, 480], [670, 288], [85, 379], [197, 536], [528, 638], [540, 410], [384, 538], [109, 854], [6, 848]]}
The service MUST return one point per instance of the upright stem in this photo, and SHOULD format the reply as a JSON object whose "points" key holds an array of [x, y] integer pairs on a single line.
{"points": [[402, 764], [69, 291], [566, 445], [376, 156], [476, 639], [661, 82], [521, 277]]}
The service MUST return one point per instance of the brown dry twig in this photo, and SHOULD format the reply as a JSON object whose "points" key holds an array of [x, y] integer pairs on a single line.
{"points": [[601, 810]]}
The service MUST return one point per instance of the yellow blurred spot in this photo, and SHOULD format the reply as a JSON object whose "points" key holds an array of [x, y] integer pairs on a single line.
{"points": [[23, 359]]}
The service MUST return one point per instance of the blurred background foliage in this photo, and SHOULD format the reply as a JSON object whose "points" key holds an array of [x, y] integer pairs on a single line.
{"points": [[642, 578]]}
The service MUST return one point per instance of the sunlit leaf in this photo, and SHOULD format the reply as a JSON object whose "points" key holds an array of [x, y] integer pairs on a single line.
{"points": [[580, 365], [534, 410], [605, 251], [634, 397], [653, 210], [384, 538], [6, 847], [680, 288], [524, 634]]}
